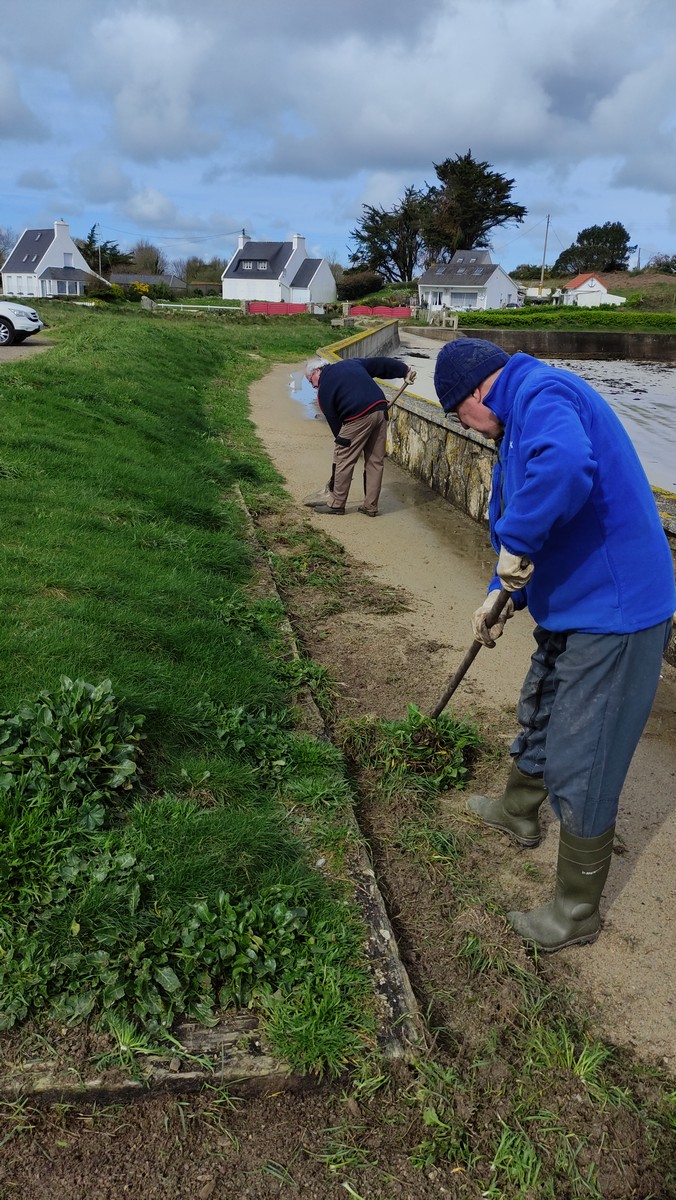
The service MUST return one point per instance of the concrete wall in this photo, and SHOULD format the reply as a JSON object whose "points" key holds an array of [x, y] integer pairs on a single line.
{"points": [[381, 339], [559, 343], [435, 449]]}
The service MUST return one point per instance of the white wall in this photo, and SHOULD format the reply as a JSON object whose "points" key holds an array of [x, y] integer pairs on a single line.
{"points": [[61, 252], [495, 293], [590, 295], [322, 289]]}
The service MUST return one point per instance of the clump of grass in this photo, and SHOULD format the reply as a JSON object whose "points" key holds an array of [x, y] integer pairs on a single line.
{"points": [[419, 753], [307, 556]]}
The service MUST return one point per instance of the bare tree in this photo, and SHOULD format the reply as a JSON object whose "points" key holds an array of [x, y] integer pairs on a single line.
{"points": [[179, 268], [148, 259], [8, 239]]}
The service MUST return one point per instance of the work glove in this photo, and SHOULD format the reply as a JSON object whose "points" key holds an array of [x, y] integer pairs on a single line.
{"points": [[410, 375], [514, 570], [484, 635]]}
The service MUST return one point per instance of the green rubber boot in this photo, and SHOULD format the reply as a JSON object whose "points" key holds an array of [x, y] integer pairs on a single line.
{"points": [[516, 812], [572, 918]]}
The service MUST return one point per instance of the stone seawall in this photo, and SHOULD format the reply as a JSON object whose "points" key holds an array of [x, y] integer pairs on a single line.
{"points": [[435, 449]]}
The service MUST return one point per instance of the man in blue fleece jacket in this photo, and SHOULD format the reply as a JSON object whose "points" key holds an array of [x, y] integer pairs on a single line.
{"points": [[356, 411], [580, 543]]}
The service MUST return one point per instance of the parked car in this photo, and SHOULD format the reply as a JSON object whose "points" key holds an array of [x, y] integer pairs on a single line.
{"points": [[17, 322]]}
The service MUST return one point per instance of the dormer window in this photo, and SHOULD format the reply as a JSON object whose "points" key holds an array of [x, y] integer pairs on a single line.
{"points": [[247, 264], [262, 264]]}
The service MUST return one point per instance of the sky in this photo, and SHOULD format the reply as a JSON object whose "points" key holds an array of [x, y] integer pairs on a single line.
{"points": [[183, 123]]}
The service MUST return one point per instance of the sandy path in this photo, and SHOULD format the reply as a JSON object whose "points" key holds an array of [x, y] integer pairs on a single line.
{"points": [[443, 559]]}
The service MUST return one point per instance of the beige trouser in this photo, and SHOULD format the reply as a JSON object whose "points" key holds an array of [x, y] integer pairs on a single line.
{"points": [[367, 434]]}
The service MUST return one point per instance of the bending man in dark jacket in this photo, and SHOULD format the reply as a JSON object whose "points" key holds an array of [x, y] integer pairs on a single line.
{"points": [[356, 411]]}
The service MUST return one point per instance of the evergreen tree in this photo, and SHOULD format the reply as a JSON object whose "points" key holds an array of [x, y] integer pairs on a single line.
{"points": [[391, 243], [470, 202], [597, 248]]}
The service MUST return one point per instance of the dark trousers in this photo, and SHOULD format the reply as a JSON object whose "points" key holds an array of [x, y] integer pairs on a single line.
{"points": [[582, 709]]}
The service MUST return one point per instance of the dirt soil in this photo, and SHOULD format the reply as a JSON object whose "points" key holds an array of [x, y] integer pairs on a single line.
{"points": [[412, 578], [443, 560]]}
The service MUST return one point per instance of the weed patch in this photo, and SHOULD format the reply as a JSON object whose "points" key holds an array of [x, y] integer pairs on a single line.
{"points": [[417, 753]]}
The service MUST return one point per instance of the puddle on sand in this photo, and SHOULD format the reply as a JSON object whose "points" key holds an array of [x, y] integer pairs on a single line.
{"points": [[305, 394]]}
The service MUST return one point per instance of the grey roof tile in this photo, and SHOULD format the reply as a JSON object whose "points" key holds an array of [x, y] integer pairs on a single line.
{"points": [[29, 251]]}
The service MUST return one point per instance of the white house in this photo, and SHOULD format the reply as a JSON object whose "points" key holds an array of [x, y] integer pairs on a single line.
{"points": [[469, 280], [46, 262], [277, 271], [588, 291]]}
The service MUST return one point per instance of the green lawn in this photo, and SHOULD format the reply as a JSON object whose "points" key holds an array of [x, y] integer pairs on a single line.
{"points": [[147, 737]]}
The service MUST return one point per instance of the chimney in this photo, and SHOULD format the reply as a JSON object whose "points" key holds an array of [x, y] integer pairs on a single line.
{"points": [[242, 240], [298, 242], [61, 228]]}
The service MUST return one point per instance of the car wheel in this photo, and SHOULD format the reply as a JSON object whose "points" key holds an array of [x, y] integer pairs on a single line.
{"points": [[6, 332]]}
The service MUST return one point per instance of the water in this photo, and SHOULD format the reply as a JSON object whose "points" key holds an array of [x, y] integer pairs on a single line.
{"points": [[643, 394], [305, 394]]}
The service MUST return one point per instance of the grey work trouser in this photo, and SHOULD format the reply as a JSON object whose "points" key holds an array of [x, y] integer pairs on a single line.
{"points": [[368, 435], [582, 709]]}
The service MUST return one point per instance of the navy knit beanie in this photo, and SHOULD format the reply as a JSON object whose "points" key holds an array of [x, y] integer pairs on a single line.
{"points": [[462, 365]]}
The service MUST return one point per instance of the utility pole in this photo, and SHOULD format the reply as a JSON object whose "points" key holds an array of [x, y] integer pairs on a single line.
{"points": [[544, 256]]}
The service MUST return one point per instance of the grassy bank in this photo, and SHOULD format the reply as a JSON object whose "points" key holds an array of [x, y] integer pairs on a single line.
{"points": [[147, 740]]}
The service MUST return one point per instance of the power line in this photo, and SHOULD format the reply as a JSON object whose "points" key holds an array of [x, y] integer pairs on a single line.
{"points": [[186, 237]]}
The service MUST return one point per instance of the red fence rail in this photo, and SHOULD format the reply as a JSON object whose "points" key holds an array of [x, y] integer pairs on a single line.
{"points": [[380, 310], [275, 308]]}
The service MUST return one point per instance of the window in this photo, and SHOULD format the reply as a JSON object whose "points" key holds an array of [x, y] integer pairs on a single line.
{"points": [[262, 264], [460, 271], [25, 258], [38, 236], [440, 270], [247, 264], [473, 259], [478, 271], [72, 288], [67, 259], [464, 299], [460, 258], [61, 287]]}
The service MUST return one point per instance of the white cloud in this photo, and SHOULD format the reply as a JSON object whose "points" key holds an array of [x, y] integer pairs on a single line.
{"points": [[293, 115], [100, 180], [37, 180], [17, 120], [150, 65]]}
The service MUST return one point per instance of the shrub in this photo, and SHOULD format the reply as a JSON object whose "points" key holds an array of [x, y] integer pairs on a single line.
{"points": [[354, 284]]}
